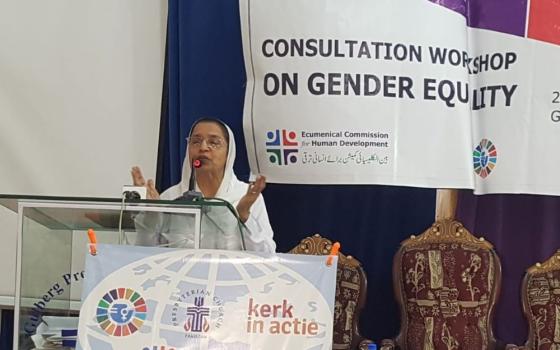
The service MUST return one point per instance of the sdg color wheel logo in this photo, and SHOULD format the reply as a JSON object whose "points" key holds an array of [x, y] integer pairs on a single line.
{"points": [[485, 156], [121, 312], [281, 147]]}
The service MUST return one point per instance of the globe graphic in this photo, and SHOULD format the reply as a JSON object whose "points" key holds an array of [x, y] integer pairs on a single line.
{"points": [[205, 299]]}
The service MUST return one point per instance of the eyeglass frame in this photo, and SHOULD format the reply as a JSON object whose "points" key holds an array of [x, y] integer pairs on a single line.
{"points": [[209, 143]]}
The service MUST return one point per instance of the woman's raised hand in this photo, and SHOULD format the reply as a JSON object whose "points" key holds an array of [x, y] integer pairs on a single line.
{"points": [[253, 191], [138, 180]]}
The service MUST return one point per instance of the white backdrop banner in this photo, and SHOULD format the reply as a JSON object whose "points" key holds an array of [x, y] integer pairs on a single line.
{"points": [[398, 93], [80, 100], [152, 298]]}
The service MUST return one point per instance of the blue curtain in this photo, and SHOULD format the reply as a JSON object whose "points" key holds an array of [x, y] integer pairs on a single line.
{"points": [[205, 76], [7, 329]]}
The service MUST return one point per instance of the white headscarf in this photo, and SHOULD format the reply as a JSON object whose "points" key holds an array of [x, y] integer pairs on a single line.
{"points": [[229, 190]]}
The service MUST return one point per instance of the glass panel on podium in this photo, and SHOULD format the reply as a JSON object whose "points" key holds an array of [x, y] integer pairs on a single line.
{"points": [[53, 242]]}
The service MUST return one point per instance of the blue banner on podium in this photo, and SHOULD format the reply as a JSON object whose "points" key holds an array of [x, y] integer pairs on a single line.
{"points": [[159, 298]]}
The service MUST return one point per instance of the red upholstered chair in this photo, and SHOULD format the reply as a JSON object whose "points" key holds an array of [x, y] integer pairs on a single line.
{"points": [[350, 297], [446, 282], [541, 305]]}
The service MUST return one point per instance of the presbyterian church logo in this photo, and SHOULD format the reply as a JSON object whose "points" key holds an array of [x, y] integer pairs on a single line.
{"points": [[282, 147], [196, 311], [197, 317], [485, 156], [121, 312]]}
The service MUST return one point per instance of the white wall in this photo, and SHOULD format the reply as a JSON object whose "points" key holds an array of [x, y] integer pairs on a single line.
{"points": [[80, 97]]}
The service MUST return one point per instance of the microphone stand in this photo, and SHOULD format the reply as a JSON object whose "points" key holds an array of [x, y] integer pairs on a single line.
{"points": [[192, 194]]}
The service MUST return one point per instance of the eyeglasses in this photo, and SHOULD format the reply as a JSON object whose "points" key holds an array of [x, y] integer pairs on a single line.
{"points": [[212, 142]]}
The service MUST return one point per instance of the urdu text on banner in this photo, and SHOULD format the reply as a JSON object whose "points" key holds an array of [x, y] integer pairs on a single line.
{"points": [[403, 93]]}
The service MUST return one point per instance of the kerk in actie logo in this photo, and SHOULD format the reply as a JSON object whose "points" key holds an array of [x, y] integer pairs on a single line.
{"points": [[121, 312], [281, 149], [485, 156]]}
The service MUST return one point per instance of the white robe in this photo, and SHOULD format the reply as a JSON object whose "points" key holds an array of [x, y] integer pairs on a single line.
{"points": [[175, 231]]}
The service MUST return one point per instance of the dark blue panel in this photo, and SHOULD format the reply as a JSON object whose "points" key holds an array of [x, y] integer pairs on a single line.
{"points": [[7, 329]]}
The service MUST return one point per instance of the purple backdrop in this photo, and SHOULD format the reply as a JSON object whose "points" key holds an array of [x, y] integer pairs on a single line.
{"points": [[506, 16], [525, 229], [455, 5]]}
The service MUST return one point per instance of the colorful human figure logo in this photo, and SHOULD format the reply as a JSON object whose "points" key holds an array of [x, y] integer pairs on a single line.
{"points": [[121, 312], [485, 156]]}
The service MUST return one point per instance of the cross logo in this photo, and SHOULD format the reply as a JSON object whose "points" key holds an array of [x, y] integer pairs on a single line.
{"points": [[196, 316]]}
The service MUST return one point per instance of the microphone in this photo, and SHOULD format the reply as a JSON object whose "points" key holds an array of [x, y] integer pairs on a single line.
{"points": [[192, 194], [194, 165]]}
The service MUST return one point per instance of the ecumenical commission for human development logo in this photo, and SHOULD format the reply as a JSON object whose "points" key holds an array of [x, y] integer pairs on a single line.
{"points": [[282, 149], [121, 312], [485, 156]]}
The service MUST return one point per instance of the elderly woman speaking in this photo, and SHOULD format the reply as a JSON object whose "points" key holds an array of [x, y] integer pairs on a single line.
{"points": [[212, 146]]}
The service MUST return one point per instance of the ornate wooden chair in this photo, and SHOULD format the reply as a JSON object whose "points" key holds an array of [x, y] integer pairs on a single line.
{"points": [[350, 297], [541, 305], [446, 282]]}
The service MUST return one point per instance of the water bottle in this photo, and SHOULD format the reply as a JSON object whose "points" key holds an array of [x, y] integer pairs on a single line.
{"points": [[372, 346]]}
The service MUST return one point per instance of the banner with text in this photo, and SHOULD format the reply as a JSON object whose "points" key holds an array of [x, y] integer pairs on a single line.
{"points": [[403, 93], [158, 298]]}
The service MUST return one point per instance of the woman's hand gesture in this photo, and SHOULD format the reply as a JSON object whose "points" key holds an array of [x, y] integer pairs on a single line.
{"points": [[138, 180], [253, 191]]}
